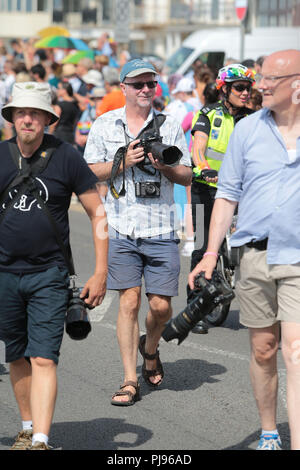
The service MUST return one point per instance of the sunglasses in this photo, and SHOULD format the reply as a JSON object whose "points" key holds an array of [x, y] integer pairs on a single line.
{"points": [[140, 85], [240, 87]]}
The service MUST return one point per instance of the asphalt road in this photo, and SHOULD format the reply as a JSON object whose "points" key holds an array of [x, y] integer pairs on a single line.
{"points": [[204, 403]]}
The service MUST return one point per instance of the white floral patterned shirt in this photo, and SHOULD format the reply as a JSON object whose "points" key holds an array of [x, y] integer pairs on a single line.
{"points": [[130, 215]]}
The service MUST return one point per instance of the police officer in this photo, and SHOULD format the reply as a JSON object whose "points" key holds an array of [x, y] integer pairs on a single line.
{"points": [[211, 130]]}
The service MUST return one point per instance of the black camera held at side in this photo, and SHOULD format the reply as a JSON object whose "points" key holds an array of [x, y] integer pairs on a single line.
{"points": [[208, 173], [208, 294], [147, 189], [166, 154], [77, 321]]}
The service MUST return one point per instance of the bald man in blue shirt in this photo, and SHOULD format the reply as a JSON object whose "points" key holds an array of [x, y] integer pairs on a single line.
{"points": [[261, 174]]}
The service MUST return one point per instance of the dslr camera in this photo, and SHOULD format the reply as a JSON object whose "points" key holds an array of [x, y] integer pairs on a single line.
{"points": [[77, 321], [166, 154], [152, 143], [208, 294]]}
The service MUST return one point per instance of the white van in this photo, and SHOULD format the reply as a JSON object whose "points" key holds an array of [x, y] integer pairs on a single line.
{"points": [[214, 46]]}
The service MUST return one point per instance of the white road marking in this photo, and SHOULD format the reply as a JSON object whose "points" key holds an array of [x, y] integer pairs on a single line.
{"points": [[97, 314]]}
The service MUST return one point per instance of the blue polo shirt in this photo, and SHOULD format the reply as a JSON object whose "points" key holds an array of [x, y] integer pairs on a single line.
{"points": [[257, 173]]}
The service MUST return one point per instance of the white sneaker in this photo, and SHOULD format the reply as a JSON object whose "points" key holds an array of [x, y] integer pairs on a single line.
{"points": [[188, 248], [269, 442]]}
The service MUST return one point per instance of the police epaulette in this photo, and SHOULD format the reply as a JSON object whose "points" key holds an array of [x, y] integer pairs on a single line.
{"points": [[206, 109]]}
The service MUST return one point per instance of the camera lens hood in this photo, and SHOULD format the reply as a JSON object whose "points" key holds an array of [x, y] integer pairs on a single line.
{"points": [[167, 154], [77, 323]]}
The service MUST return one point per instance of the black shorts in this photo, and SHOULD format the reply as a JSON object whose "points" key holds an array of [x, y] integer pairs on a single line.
{"points": [[32, 313]]}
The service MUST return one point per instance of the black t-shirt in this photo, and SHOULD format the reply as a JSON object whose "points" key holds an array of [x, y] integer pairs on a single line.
{"points": [[203, 124], [27, 240], [70, 114]]}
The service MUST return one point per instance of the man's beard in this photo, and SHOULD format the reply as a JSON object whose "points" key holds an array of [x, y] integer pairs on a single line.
{"points": [[27, 138], [145, 103]]}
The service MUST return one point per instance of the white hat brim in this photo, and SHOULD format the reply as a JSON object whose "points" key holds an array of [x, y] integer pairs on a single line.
{"points": [[28, 102]]}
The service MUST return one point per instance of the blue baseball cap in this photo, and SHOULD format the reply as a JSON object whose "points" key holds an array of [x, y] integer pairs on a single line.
{"points": [[136, 67]]}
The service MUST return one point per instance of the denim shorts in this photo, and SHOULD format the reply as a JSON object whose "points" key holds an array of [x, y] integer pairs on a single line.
{"points": [[157, 259], [32, 313]]}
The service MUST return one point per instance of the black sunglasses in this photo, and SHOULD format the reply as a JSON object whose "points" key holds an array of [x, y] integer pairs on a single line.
{"points": [[140, 85], [241, 87]]}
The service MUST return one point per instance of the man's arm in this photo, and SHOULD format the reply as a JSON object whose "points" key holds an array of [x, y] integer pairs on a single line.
{"points": [[133, 156], [221, 219], [95, 287], [102, 170]]}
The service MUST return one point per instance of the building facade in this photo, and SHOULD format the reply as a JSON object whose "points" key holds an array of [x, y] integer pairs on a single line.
{"points": [[156, 26]]}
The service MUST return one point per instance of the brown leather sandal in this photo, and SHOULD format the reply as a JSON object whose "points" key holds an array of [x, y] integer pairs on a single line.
{"points": [[150, 357], [133, 397]]}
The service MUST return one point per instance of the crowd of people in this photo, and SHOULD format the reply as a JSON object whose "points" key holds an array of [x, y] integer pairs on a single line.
{"points": [[94, 85], [83, 91], [235, 141]]}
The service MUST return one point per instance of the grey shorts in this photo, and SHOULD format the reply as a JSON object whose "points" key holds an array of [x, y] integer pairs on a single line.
{"points": [[267, 293], [156, 259]]}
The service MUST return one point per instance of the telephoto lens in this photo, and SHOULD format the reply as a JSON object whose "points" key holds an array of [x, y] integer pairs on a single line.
{"points": [[209, 294], [167, 154], [77, 322]]}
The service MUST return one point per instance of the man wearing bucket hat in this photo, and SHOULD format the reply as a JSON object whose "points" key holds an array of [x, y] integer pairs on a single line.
{"points": [[33, 274], [142, 226]]}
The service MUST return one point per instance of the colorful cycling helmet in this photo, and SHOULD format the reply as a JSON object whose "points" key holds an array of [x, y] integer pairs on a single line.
{"points": [[233, 73]]}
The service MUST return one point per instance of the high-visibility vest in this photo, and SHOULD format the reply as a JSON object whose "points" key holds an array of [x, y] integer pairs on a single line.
{"points": [[221, 127]]}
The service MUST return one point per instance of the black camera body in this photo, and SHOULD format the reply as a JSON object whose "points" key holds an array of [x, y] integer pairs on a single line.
{"points": [[77, 322], [148, 141], [152, 143], [207, 295], [208, 173], [147, 189]]}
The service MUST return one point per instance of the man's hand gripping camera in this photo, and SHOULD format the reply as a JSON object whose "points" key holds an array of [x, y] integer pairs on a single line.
{"points": [[209, 294]]}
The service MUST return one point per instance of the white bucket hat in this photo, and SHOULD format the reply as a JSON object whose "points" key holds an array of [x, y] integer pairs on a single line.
{"points": [[93, 77], [30, 95], [185, 85]]}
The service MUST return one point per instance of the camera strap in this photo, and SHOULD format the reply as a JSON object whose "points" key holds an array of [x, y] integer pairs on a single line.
{"points": [[154, 125], [25, 181]]}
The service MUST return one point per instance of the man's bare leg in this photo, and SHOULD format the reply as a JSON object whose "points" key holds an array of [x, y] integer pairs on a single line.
{"points": [[128, 335], [43, 394], [263, 372], [291, 354], [20, 376], [159, 313]]}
